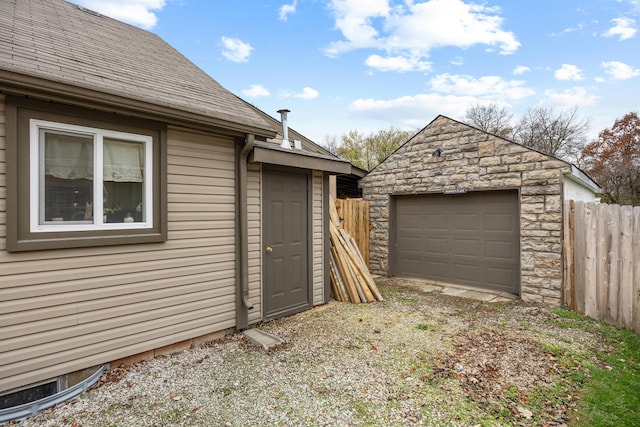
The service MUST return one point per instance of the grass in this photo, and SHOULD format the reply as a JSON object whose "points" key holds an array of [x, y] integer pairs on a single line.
{"points": [[610, 395]]}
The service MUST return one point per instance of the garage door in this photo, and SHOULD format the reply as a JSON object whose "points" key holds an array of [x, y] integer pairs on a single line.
{"points": [[469, 239]]}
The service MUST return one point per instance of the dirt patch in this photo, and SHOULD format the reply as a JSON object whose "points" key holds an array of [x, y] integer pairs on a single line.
{"points": [[418, 358]]}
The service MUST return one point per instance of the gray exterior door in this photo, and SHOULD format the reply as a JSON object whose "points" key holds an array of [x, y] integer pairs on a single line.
{"points": [[469, 239], [287, 283]]}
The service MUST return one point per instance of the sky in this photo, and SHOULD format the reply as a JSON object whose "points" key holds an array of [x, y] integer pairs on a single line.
{"points": [[366, 65]]}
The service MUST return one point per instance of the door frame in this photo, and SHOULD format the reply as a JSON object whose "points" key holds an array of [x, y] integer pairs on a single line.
{"points": [[266, 169]]}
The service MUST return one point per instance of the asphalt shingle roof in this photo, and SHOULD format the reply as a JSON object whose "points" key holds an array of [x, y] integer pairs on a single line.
{"points": [[61, 42]]}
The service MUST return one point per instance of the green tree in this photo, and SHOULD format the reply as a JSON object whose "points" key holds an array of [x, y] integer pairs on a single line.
{"points": [[384, 142], [366, 152], [613, 160], [352, 148]]}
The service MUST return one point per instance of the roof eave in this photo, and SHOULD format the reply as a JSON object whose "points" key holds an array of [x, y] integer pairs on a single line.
{"points": [[270, 154], [26, 85], [579, 177]]}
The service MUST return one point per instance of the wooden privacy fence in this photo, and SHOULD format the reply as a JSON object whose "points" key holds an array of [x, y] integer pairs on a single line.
{"points": [[602, 262], [351, 280], [354, 216]]}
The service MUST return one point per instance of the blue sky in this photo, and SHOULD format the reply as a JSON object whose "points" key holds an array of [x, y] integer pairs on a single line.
{"points": [[371, 64]]}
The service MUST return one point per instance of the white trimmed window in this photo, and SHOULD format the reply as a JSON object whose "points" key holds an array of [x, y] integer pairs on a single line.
{"points": [[84, 178]]}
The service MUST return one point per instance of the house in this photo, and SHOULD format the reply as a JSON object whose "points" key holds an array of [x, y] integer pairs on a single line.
{"points": [[143, 207], [458, 205]]}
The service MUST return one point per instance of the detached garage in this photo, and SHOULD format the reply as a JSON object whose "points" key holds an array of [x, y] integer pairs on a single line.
{"points": [[472, 239], [457, 205]]}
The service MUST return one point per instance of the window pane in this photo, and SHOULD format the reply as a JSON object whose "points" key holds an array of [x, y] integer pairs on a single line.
{"points": [[123, 180], [68, 177]]}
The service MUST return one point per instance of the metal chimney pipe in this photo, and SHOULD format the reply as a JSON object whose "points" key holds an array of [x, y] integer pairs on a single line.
{"points": [[285, 129]]}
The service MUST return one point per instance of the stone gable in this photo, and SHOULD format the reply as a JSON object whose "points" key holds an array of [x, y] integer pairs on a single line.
{"points": [[473, 160]]}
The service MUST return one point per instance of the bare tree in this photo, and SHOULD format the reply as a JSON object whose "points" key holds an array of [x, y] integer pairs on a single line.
{"points": [[331, 144], [560, 134], [490, 118]]}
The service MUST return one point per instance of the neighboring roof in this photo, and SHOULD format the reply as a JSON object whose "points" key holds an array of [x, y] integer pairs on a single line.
{"points": [[69, 46], [579, 176]]}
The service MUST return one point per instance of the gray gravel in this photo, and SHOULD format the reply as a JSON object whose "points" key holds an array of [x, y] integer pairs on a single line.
{"points": [[383, 364]]}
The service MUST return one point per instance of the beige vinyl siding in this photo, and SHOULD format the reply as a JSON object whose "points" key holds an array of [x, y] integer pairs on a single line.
{"points": [[65, 310], [255, 242], [318, 246], [3, 177]]}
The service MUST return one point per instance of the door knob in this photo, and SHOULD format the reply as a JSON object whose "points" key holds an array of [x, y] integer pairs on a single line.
{"points": [[269, 249]]}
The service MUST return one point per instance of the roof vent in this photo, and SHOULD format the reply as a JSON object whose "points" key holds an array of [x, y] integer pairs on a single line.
{"points": [[285, 129]]}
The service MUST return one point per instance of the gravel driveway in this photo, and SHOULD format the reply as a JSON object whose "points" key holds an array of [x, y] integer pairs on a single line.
{"points": [[418, 358]]}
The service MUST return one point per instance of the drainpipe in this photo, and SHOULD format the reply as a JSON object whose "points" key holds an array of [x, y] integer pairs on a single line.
{"points": [[242, 311]]}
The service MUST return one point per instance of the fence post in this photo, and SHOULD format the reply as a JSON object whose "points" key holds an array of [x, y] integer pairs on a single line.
{"points": [[636, 270], [602, 280], [569, 263], [613, 246], [590, 265]]}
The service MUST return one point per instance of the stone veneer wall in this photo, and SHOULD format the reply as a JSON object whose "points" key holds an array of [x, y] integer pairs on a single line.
{"points": [[474, 160]]}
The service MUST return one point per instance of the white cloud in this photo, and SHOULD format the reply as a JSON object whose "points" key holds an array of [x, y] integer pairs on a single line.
{"points": [[458, 60], [450, 95], [414, 111], [620, 70], [354, 20], [578, 27], [256, 91], [397, 63], [307, 93], [287, 9], [236, 50], [136, 12], [568, 72], [493, 87], [520, 70], [569, 98], [624, 28], [414, 29]]}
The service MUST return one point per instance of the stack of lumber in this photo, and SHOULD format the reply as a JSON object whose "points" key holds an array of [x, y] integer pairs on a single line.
{"points": [[350, 277]]}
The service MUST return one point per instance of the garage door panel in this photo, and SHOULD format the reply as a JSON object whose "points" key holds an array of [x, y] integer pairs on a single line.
{"points": [[470, 239], [435, 245], [500, 250], [502, 278], [413, 244], [499, 222], [465, 247], [466, 273], [439, 269], [466, 222], [434, 223], [412, 267]]}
